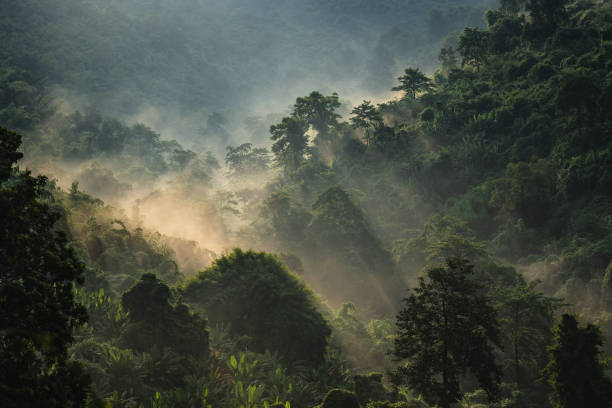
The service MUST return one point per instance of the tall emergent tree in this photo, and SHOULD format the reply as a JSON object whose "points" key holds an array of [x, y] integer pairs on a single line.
{"points": [[366, 116], [575, 370], [318, 111], [446, 328], [413, 82], [37, 307]]}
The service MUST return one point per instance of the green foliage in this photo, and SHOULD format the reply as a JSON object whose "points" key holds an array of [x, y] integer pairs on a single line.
{"points": [[547, 16], [24, 102], [400, 404], [526, 318], [442, 237], [89, 135], [473, 47], [340, 228], [447, 327], [364, 346], [259, 298], [366, 116], [575, 371], [154, 322], [318, 111], [106, 316], [36, 295], [511, 150], [290, 143], [339, 398], [369, 387], [413, 82], [245, 161], [527, 193], [288, 222]]}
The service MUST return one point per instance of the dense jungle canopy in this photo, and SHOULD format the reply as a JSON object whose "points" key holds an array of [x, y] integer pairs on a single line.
{"points": [[241, 204]]}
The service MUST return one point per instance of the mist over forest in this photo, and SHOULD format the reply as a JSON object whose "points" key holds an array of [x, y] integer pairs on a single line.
{"points": [[350, 203]]}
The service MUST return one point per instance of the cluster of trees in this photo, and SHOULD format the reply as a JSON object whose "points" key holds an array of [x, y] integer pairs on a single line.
{"points": [[148, 346]]}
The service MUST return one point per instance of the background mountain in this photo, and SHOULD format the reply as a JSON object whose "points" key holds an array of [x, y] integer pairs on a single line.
{"points": [[191, 55]]}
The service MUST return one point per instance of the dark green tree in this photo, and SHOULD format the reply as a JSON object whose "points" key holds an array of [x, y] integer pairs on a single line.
{"points": [[473, 47], [38, 312], [288, 222], [367, 117], [341, 231], [413, 82], [579, 94], [575, 371], [154, 321], [546, 16], [318, 111], [446, 328], [526, 318], [290, 143], [259, 298]]}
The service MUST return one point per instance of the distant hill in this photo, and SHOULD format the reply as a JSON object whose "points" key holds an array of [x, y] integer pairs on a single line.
{"points": [[194, 54]]}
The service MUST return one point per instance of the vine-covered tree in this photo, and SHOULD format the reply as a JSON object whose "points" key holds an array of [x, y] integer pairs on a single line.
{"points": [[575, 370], [38, 311], [446, 328]]}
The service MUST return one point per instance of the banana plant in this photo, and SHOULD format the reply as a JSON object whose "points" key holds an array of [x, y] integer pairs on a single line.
{"points": [[248, 396]]}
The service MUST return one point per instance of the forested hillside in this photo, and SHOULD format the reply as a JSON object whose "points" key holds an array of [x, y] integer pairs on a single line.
{"points": [[450, 246], [219, 55]]}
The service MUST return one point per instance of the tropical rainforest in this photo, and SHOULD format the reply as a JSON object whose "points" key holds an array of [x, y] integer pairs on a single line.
{"points": [[307, 204]]}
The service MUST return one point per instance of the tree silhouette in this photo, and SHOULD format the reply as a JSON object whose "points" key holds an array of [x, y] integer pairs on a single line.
{"points": [[38, 309], [318, 111], [446, 328], [413, 82], [261, 299], [366, 116]]}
